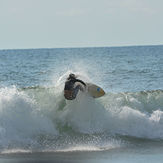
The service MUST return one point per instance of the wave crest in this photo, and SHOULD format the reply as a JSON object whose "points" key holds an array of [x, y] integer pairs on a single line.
{"points": [[40, 118]]}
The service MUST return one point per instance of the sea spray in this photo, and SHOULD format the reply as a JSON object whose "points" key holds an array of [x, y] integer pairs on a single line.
{"points": [[20, 119], [84, 115], [40, 119], [136, 114]]}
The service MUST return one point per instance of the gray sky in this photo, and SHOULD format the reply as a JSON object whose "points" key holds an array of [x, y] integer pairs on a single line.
{"points": [[80, 23]]}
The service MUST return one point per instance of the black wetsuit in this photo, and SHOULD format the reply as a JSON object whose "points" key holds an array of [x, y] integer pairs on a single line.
{"points": [[70, 86]]}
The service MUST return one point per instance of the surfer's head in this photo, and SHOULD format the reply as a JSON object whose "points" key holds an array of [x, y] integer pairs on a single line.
{"points": [[72, 76]]}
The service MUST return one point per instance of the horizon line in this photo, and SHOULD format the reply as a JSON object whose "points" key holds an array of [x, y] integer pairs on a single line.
{"points": [[83, 47]]}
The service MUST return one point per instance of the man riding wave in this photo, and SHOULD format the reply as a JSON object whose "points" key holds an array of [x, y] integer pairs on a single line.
{"points": [[72, 87]]}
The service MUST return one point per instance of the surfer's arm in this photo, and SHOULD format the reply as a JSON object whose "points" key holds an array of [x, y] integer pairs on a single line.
{"points": [[77, 80]]}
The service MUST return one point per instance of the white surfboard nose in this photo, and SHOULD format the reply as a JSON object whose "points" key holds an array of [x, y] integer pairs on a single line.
{"points": [[94, 90]]}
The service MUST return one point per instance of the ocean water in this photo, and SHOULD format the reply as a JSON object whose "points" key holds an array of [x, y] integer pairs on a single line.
{"points": [[38, 124]]}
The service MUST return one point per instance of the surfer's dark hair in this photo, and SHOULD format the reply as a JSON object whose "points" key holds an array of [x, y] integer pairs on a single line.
{"points": [[72, 76]]}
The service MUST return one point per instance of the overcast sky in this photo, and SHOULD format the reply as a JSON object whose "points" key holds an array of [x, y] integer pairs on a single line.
{"points": [[80, 23]]}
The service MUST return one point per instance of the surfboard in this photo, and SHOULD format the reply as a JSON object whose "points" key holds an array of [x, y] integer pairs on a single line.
{"points": [[94, 90]]}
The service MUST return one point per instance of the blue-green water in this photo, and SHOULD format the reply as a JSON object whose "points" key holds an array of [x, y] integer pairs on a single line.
{"points": [[128, 121]]}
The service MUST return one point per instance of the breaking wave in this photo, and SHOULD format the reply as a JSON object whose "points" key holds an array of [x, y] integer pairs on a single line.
{"points": [[40, 119]]}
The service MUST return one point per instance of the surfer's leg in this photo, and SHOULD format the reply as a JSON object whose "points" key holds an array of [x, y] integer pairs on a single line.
{"points": [[76, 90], [81, 88]]}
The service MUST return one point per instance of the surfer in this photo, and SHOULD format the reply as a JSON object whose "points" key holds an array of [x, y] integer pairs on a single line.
{"points": [[72, 87]]}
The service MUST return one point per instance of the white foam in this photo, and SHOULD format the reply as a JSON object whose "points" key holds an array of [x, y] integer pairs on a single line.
{"points": [[29, 114], [13, 151], [20, 118], [130, 116], [119, 116]]}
